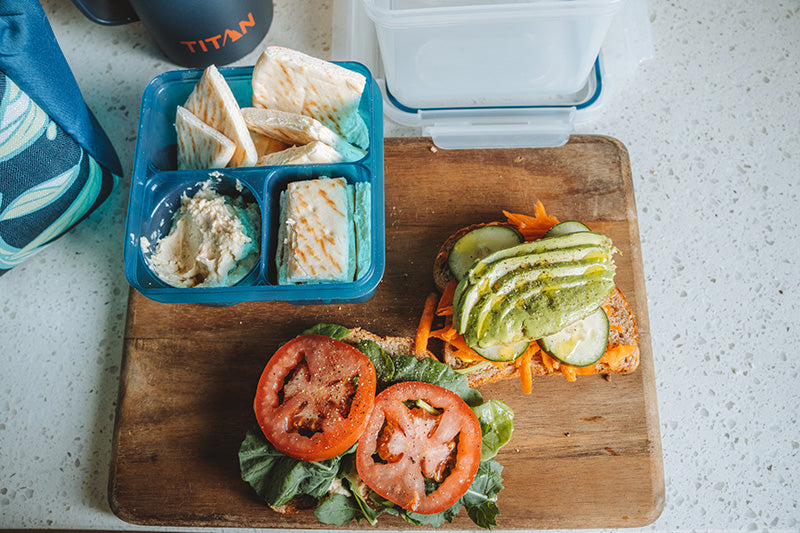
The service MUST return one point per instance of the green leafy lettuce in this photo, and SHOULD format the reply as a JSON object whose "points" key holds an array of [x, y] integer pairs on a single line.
{"points": [[334, 486], [278, 478], [333, 331], [497, 424]]}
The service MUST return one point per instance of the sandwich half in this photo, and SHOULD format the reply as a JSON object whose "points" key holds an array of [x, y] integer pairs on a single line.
{"points": [[515, 287]]}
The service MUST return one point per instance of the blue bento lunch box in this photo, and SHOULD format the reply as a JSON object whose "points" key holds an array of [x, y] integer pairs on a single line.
{"points": [[157, 187]]}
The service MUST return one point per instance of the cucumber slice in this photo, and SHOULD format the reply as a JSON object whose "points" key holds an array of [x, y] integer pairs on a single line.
{"points": [[568, 226], [582, 343], [479, 243], [503, 352]]}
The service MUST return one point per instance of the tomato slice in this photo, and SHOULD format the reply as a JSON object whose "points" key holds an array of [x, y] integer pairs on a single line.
{"points": [[406, 443], [314, 397]]}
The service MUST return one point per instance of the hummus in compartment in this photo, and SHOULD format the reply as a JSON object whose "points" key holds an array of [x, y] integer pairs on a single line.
{"points": [[213, 241]]}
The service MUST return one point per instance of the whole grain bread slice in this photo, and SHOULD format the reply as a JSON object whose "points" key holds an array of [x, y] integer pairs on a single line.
{"points": [[624, 330], [394, 346]]}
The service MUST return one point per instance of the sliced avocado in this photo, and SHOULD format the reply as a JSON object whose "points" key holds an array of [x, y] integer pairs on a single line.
{"points": [[585, 238], [531, 247], [533, 289], [532, 315], [536, 265], [573, 272], [494, 271]]}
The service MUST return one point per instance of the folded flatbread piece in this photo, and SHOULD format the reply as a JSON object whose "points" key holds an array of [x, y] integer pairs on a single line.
{"points": [[316, 242], [200, 145], [296, 129], [314, 152], [291, 81], [266, 145], [213, 102]]}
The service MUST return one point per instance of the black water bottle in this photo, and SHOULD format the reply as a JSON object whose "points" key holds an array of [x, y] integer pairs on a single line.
{"points": [[198, 33]]}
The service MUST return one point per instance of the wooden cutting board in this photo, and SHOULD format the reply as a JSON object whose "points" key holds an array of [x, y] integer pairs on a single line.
{"points": [[583, 454]]}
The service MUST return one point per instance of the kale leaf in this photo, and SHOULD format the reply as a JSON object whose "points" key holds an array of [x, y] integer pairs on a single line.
{"points": [[333, 331], [278, 478]]}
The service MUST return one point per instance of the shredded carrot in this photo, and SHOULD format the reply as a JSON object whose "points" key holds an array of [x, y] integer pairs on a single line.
{"points": [[448, 323], [568, 371], [532, 227], [524, 365], [425, 322], [615, 355], [445, 306], [586, 370], [549, 362], [468, 355], [447, 332], [471, 355], [463, 348], [456, 340]]}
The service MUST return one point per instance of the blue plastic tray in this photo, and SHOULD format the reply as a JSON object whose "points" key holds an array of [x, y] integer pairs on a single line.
{"points": [[156, 188]]}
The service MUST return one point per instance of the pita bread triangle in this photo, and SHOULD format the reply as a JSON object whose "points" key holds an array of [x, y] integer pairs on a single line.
{"points": [[266, 145], [288, 80], [200, 145], [213, 102], [314, 152], [295, 129]]}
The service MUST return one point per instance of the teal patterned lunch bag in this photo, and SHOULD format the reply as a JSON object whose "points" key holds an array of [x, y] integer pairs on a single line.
{"points": [[56, 163]]}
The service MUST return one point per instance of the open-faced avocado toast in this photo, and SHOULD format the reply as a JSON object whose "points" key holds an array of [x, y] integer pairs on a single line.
{"points": [[527, 297]]}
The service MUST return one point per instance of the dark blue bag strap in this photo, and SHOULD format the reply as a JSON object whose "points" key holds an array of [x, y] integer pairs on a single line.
{"points": [[31, 56]]}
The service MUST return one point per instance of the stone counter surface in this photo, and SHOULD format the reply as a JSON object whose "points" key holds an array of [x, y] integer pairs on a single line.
{"points": [[712, 125]]}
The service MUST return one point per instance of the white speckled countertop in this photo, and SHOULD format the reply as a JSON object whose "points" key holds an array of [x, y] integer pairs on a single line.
{"points": [[712, 125]]}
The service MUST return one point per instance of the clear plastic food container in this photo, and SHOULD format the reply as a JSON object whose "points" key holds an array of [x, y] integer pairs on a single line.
{"points": [[157, 187], [487, 53], [494, 74]]}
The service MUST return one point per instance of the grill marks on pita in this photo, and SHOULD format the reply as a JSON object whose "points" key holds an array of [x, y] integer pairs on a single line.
{"points": [[287, 80], [212, 101], [305, 110], [200, 145], [316, 235]]}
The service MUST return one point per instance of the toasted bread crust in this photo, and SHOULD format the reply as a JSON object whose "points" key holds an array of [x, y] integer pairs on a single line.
{"points": [[394, 346], [301, 502]]}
